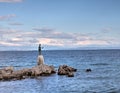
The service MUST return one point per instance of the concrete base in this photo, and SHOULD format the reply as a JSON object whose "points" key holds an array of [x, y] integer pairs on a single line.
{"points": [[40, 60]]}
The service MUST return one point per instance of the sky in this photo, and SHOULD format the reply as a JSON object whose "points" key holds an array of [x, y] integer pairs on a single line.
{"points": [[59, 24]]}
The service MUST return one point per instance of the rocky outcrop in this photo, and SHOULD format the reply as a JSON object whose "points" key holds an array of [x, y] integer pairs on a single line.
{"points": [[9, 73], [88, 70], [66, 70]]}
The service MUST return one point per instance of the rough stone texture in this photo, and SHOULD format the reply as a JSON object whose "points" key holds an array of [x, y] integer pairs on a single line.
{"points": [[66, 70], [9, 73], [6, 70], [70, 74]]}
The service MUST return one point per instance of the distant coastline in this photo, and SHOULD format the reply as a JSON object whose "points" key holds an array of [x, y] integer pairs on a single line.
{"points": [[91, 49]]}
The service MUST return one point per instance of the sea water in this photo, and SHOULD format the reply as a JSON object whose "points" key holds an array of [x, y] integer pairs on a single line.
{"points": [[104, 77]]}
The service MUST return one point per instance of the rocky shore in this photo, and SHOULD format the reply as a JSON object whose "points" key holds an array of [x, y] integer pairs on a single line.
{"points": [[8, 73]]}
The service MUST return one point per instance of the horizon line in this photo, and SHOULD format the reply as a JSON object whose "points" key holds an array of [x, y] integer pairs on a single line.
{"points": [[66, 49]]}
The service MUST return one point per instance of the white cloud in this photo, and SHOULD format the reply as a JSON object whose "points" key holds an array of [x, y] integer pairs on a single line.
{"points": [[16, 39], [92, 42], [50, 37], [7, 17], [15, 24], [8, 44], [44, 29], [10, 1]]}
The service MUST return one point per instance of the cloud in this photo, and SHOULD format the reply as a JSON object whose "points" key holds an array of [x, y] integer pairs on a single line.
{"points": [[51, 37], [15, 24], [11, 1], [106, 29], [14, 37], [43, 29], [92, 42], [7, 17], [8, 44], [52, 33]]}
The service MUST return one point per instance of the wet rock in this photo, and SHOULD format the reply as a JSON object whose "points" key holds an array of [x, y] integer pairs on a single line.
{"points": [[66, 70], [70, 74], [52, 69], [61, 71], [88, 70], [42, 70], [9, 73], [1, 77], [8, 70]]}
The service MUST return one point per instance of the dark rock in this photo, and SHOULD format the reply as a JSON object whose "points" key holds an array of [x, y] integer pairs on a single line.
{"points": [[88, 70], [62, 72], [53, 69], [70, 74], [66, 70]]}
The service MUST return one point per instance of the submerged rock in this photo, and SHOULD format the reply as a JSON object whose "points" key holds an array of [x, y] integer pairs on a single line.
{"points": [[66, 70], [9, 73], [88, 70]]}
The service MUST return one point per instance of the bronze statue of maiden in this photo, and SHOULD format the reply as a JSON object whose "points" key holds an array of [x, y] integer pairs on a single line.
{"points": [[40, 59]]}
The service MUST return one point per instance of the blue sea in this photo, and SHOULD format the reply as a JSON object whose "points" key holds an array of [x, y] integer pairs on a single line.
{"points": [[104, 78]]}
